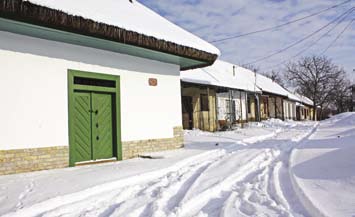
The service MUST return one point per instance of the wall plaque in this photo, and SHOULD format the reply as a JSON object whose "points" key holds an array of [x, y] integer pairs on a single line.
{"points": [[153, 82]]}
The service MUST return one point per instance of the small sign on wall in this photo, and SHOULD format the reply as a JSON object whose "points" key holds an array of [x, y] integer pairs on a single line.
{"points": [[153, 82]]}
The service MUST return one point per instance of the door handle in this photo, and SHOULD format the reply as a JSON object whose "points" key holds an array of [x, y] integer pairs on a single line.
{"points": [[92, 111]]}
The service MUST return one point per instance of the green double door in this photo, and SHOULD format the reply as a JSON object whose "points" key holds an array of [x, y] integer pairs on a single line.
{"points": [[92, 126]]}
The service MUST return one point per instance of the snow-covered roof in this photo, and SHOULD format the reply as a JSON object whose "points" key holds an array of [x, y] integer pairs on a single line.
{"points": [[270, 86], [131, 16], [300, 99], [305, 100], [293, 97], [221, 74]]}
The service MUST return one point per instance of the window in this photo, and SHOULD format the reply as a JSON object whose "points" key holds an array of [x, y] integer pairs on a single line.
{"points": [[204, 102], [94, 82]]}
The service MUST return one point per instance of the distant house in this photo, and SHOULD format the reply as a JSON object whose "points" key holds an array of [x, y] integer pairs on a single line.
{"points": [[198, 107], [218, 96], [272, 97], [305, 109], [224, 94], [86, 81]]}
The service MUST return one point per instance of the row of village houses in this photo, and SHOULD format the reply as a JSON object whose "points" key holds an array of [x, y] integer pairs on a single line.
{"points": [[222, 95], [86, 82]]}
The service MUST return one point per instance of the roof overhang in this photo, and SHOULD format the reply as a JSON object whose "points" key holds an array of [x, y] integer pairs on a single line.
{"points": [[22, 17], [266, 93], [199, 83]]}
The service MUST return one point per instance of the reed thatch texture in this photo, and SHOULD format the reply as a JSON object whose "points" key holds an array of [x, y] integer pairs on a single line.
{"points": [[28, 12]]}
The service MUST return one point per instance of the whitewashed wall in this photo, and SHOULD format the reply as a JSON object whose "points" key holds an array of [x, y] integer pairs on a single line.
{"points": [[240, 105], [289, 109], [286, 110], [34, 92]]}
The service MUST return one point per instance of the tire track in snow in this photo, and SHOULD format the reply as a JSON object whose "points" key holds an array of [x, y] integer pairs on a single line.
{"points": [[251, 186], [273, 201], [40, 209], [169, 196], [166, 195], [198, 201], [146, 204], [138, 202], [278, 198]]}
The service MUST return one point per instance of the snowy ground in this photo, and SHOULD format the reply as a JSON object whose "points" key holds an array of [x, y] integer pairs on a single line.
{"points": [[323, 168], [245, 172]]}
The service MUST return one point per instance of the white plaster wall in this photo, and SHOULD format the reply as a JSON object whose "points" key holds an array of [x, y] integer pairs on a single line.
{"points": [[222, 105], [294, 111], [286, 114], [34, 92], [292, 107], [244, 105], [289, 109]]}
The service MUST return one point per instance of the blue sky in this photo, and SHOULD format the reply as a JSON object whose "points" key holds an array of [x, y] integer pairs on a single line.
{"points": [[212, 20]]}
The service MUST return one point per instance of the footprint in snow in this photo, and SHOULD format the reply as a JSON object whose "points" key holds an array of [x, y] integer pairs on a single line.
{"points": [[28, 189], [247, 208], [2, 198]]}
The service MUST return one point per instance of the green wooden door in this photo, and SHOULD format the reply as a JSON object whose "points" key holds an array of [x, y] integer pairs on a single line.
{"points": [[93, 126], [102, 126], [82, 127], [94, 116]]}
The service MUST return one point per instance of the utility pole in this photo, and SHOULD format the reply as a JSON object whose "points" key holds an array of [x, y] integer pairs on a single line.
{"points": [[353, 91], [256, 103]]}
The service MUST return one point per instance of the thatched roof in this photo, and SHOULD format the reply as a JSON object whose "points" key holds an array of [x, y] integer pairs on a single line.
{"points": [[25, 11]]}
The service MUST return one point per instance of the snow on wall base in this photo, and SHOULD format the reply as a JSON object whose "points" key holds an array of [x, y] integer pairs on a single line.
{"points": [[36, 159], [33, 159], [133, 149]]}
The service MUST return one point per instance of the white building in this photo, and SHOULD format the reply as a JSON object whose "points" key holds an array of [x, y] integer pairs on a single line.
{"points": [[83, 81], [290, 106]]}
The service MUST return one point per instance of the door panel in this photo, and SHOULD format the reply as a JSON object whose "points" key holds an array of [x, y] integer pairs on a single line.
{"points": [[102, 126], [82, 127]]}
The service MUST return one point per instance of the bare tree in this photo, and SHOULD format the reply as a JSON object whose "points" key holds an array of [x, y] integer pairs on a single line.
{"points": [[251, 67], [275, 76], [316, 78], [343, 96]]}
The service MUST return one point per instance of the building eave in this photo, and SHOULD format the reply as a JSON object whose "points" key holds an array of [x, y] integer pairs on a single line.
{"points": [[27, 12]]}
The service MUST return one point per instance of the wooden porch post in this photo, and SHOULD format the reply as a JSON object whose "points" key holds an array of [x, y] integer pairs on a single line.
{"points": [[209, 109], [275, 99], [283, 107], [241, 109]]}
